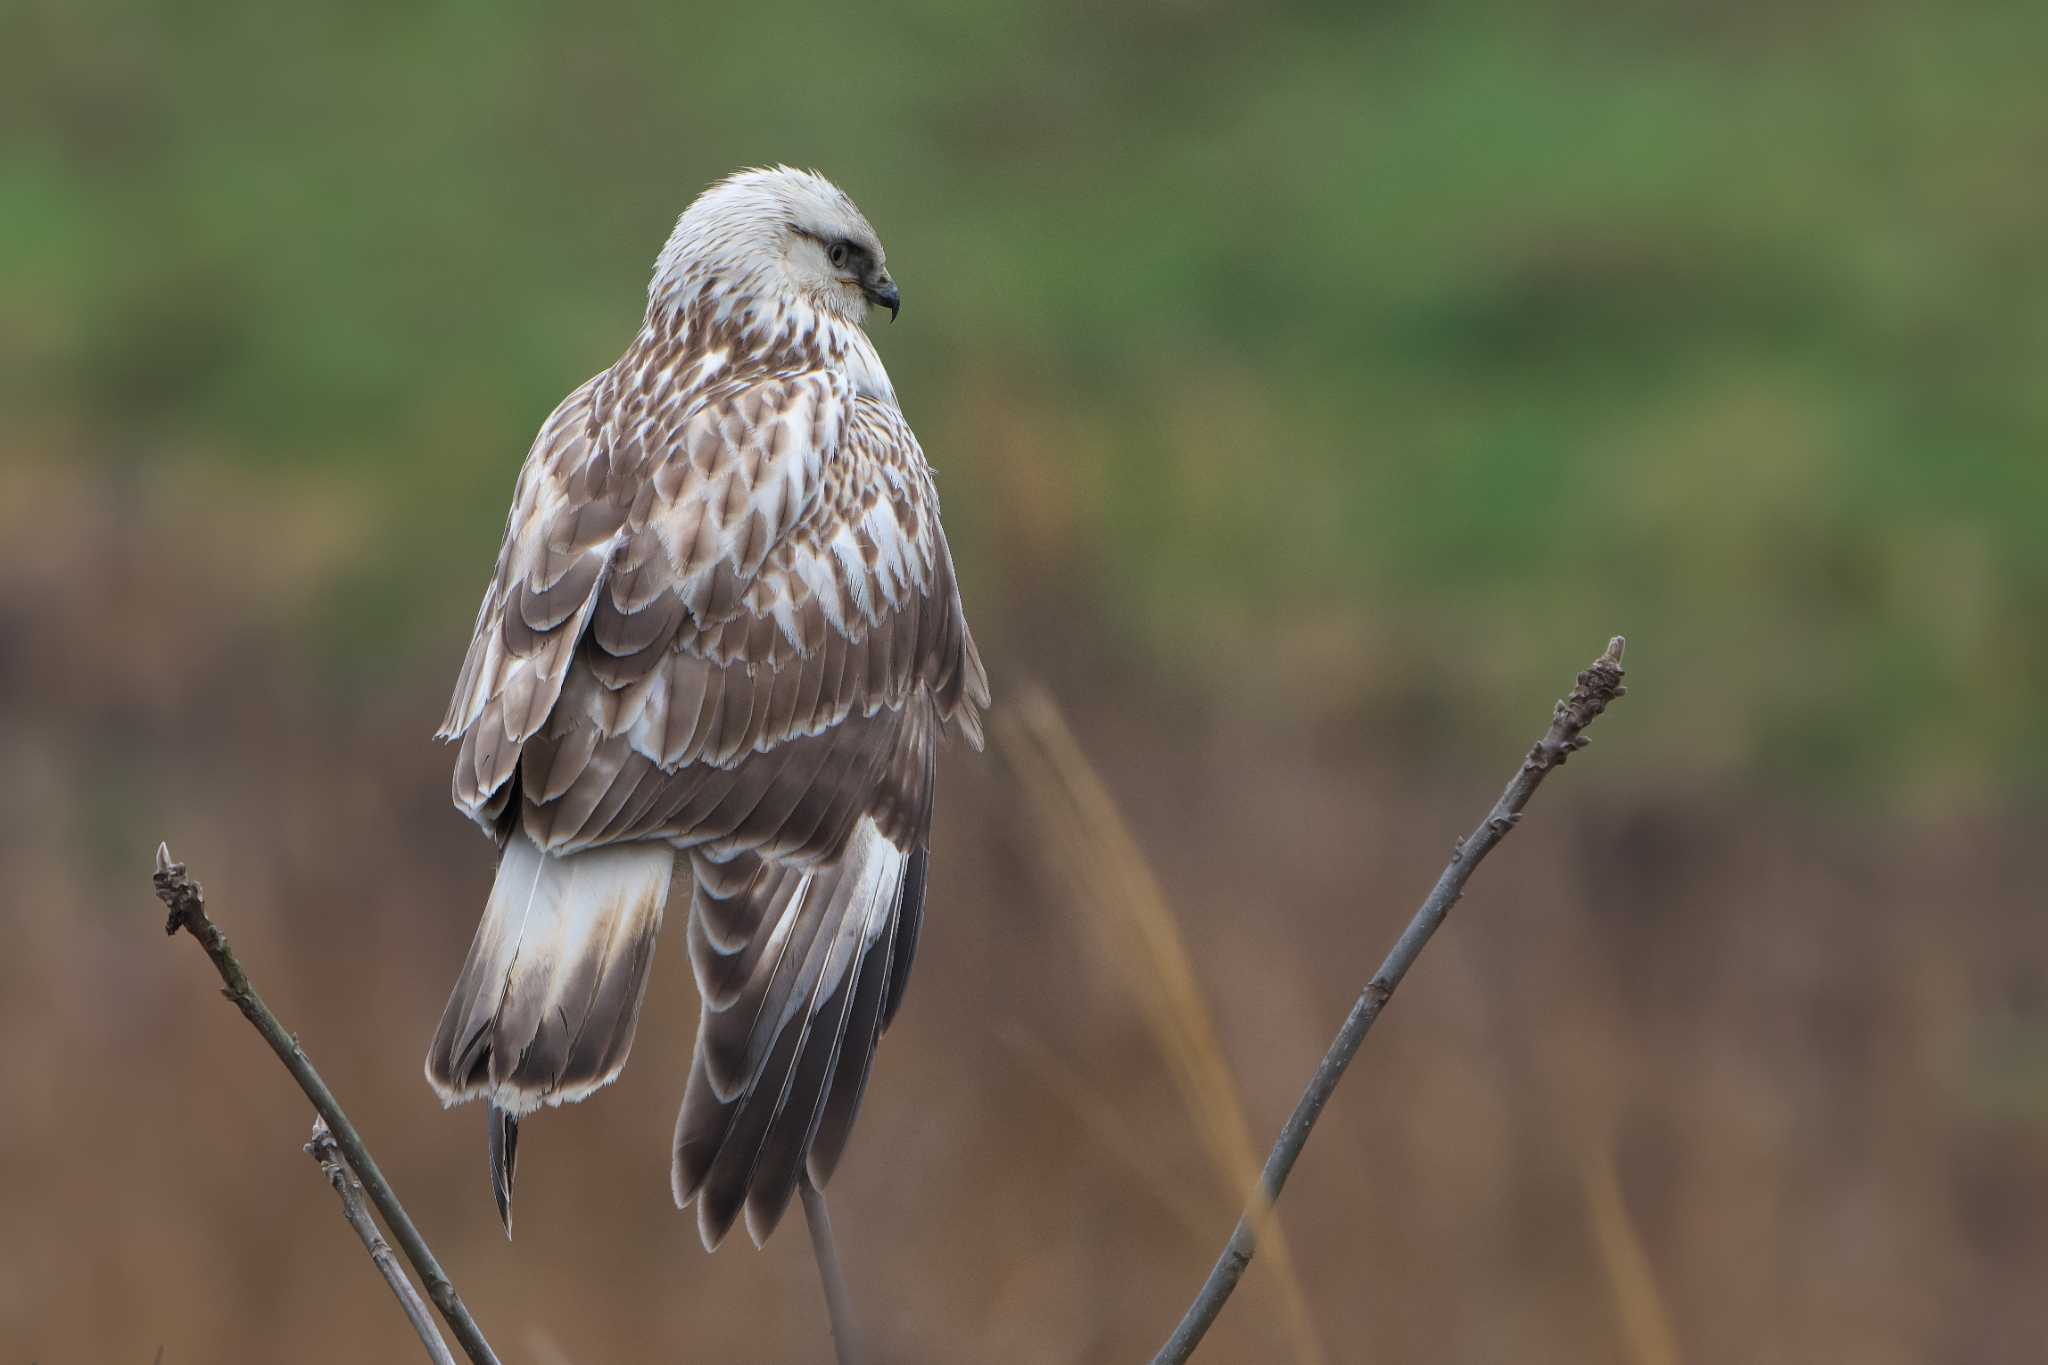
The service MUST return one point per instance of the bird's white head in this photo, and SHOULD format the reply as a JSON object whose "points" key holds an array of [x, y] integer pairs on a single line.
{"points": [[761, 241]]}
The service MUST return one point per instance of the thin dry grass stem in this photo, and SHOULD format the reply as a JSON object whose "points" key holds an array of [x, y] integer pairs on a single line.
{"points": [[1110, 872], [186, 901], [1098, 1114], [1596, 689], [1644, 1321]]}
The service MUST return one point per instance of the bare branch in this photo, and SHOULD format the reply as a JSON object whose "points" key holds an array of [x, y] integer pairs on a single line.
{"points": [[1598, 686], [322, 1149], [845, 1340], [187, 904]]}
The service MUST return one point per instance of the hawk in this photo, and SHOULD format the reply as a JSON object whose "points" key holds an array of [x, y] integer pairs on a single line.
{"points": [[720, 649]]}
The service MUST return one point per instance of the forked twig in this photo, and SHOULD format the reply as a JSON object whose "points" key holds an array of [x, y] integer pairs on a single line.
{"points": [[350, 1191], [845, 1340], [187, 904], [1598, 686]]}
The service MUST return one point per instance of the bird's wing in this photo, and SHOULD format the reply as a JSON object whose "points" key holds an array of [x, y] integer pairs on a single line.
{"points": [[728, 620], [534, 609], [810, 883], [690, 581]]}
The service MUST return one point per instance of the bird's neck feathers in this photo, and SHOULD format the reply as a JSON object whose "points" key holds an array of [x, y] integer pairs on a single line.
{"points": [[752, 325]]}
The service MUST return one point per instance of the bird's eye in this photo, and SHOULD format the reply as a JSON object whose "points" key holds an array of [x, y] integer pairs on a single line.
{"points": [[839, 253]]}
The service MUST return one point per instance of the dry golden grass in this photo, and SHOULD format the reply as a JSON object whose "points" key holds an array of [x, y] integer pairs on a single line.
{"points": [[1645, 1322], [1121, 901]]}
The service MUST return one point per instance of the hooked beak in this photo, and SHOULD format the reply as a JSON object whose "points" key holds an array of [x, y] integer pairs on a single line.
{"points": [[881, 291]]}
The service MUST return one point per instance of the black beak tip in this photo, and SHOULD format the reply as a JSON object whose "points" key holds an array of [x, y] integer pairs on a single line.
{"points": [[885, 295]]}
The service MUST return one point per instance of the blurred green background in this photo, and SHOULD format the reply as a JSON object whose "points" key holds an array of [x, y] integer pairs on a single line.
{"points": [[1312, 390], [1385, 342]]}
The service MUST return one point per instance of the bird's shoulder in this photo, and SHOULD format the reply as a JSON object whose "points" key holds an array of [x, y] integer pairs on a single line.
{"points": [[696, 497]]}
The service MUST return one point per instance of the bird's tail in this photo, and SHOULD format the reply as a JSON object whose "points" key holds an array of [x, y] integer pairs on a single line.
{"points": [[545, 1008], [800, 969]]}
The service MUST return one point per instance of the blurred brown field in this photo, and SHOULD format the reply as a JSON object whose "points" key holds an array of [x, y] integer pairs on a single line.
{"points": [[1695, 1072]]}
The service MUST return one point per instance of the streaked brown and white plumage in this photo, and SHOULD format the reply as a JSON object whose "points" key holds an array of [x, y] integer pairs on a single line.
{"points": [[723, 640]]}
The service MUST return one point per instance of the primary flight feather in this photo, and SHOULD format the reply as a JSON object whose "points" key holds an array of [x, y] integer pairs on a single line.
{"points": [[720, 648]]}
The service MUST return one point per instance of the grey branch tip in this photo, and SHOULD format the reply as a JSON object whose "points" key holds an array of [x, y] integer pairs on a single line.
{"points": [[1591, 694], [181, 895]]}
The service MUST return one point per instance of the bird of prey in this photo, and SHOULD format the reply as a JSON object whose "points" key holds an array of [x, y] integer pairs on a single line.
{"points": [[720, 649]]}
